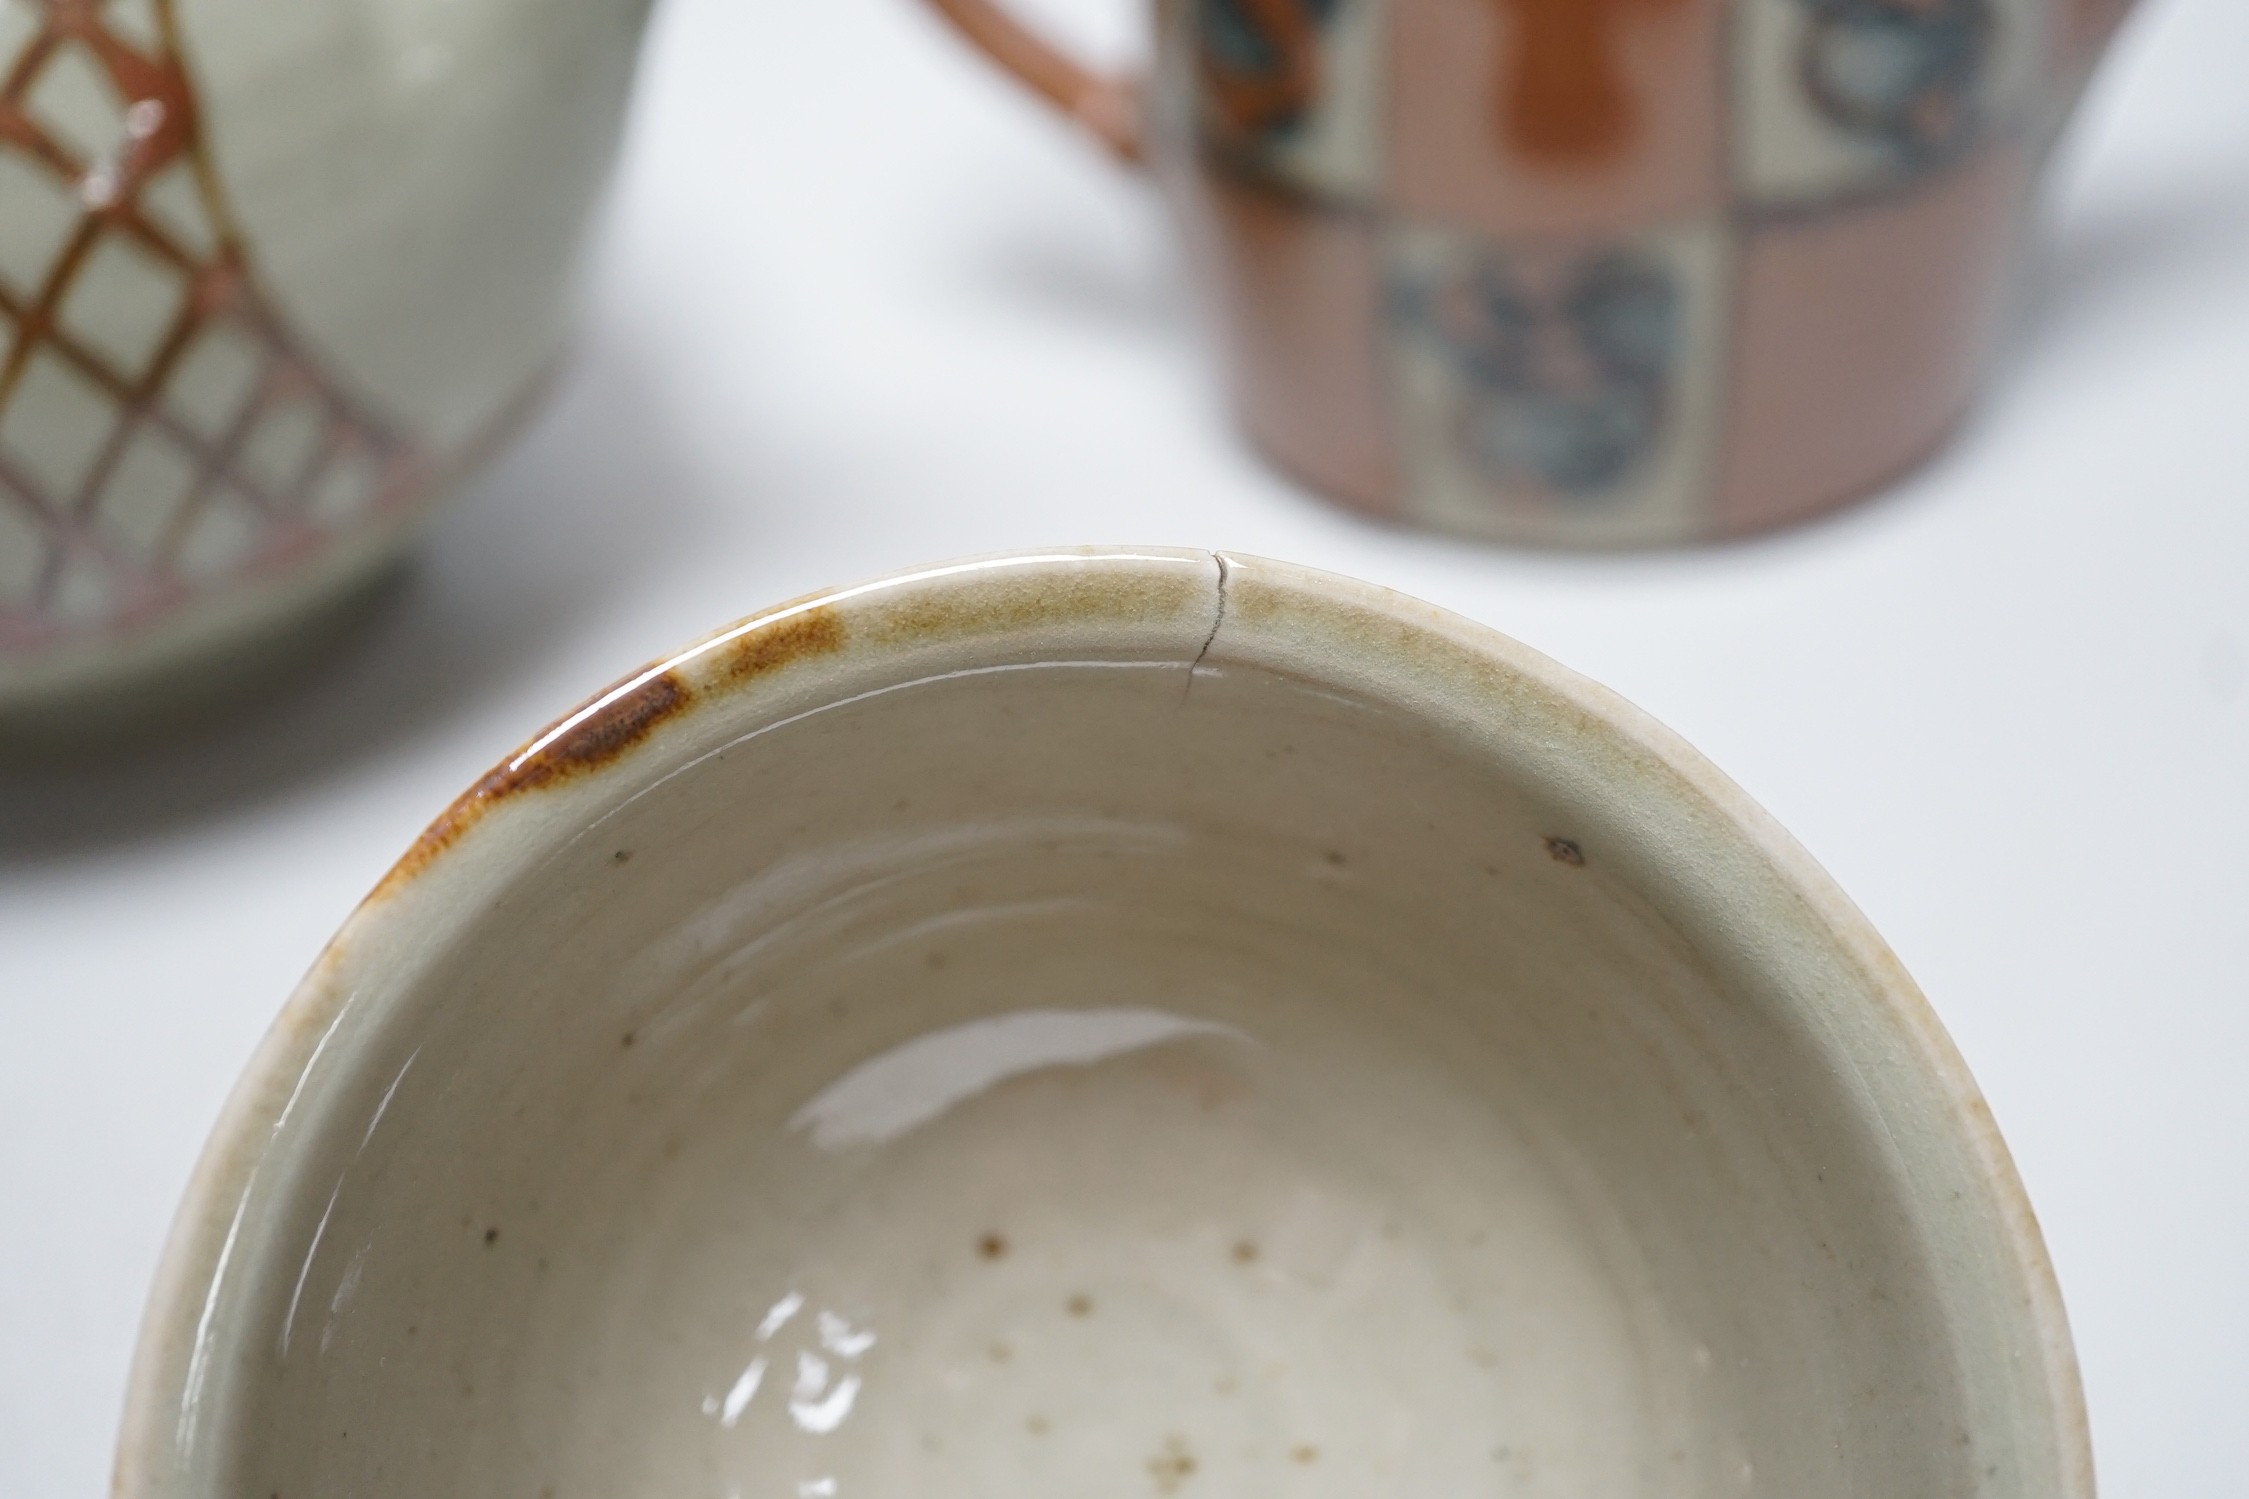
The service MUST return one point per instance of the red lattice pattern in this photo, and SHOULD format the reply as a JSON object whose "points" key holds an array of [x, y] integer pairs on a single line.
{"points": [[162, 434]]}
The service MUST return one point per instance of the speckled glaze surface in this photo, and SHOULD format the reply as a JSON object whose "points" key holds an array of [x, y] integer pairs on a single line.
{"points": [[1596, 272], [271, 277], [1143, 1023]]}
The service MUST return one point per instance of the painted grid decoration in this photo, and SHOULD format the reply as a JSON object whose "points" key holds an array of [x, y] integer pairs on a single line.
{"points": [[162, 431]]}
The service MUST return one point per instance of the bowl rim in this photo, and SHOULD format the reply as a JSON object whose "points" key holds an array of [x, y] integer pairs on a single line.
{"points": [[1243, 607]]}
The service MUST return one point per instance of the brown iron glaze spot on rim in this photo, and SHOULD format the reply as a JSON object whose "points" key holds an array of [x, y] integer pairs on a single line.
{"points": [[597, 732], [612, 721], [817, 631], [1006, 601]]}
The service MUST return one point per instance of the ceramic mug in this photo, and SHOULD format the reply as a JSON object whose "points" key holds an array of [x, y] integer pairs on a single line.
{"points": [[1149, 1023], [272, 277], [1594, 272]]}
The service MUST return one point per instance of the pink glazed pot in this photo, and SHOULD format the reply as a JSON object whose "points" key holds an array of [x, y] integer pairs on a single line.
{"points": [[1594, 272]]}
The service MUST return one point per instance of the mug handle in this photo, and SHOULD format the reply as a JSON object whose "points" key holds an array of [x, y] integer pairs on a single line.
{"points": [[1109, 107]]}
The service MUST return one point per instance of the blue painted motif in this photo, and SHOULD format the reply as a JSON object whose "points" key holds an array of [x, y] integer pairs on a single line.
{"points": [[1901, 72], [1565, 389]]}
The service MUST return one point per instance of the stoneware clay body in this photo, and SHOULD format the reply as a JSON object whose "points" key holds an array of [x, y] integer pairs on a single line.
{"points": [[1132, 1024], [271, 276], [1595, 272]]}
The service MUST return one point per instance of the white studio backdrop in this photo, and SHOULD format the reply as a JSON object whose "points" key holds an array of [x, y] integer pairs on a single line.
{"points": [[859, 305]]}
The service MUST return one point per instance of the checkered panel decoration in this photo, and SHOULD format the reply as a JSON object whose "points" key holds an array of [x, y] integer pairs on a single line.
{"points": [[1592, 223]]}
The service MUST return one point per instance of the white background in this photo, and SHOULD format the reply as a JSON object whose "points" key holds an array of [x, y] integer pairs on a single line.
{"points": [[856, 305]]}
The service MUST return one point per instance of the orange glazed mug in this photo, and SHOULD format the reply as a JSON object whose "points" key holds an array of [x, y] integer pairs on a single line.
{"points": [[1594, 272]]}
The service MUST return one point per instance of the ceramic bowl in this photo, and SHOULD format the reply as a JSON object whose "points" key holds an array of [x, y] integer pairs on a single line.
{"points": [[1141, 1024]]}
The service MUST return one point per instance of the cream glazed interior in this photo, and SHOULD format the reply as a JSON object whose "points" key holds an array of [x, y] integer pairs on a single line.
{"points": [[1135, 1025]]}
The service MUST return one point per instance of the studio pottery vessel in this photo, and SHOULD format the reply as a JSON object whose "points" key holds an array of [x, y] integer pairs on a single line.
{"points": [[1595, 272], [1141, 1024], [272, 278]]}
